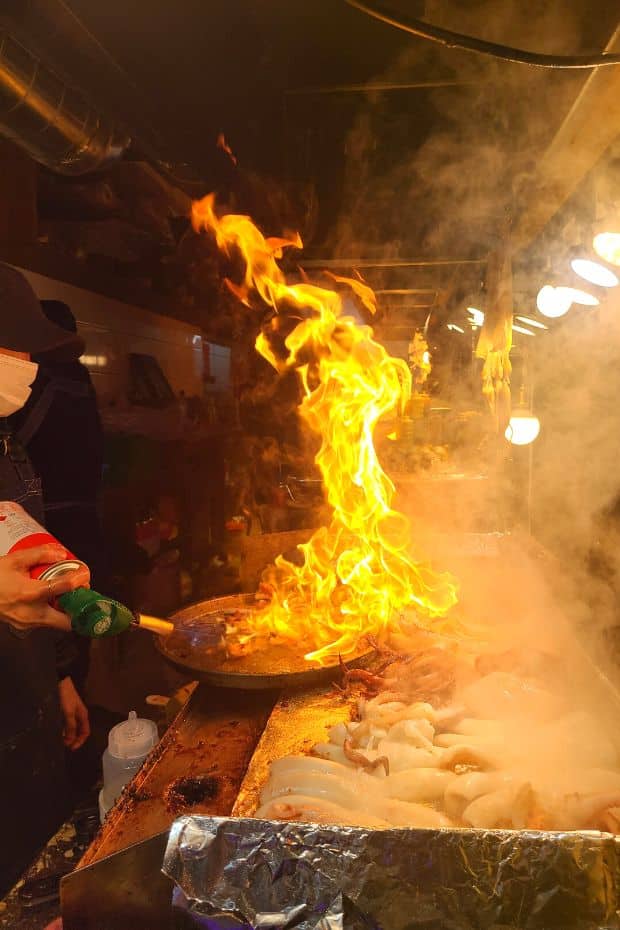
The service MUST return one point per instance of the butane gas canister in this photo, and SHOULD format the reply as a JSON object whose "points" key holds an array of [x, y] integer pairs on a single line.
{"points": [[91, 614]]}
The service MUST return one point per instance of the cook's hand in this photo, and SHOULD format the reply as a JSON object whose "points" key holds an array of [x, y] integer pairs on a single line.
{"points": [[76, 728], [55, 925], [25, 602]]}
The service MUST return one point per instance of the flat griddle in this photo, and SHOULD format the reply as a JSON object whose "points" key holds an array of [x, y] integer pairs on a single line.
{"points": [[276, 666]]}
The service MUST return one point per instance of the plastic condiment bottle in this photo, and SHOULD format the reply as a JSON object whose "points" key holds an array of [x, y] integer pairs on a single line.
{"points": [[129, 743]]}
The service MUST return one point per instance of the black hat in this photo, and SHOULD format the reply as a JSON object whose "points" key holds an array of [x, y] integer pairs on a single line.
{"points": [[23, 325]]}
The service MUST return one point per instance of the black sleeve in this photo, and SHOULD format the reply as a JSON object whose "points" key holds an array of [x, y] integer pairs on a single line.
{"points": [[67, 655]]}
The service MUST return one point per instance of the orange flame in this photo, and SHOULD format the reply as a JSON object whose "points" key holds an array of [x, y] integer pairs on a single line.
{"points": [[224, 146], [359, 288], [356, 574]]}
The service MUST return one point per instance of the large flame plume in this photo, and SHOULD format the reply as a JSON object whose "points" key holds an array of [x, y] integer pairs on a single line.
{"points": [[357, 574]]}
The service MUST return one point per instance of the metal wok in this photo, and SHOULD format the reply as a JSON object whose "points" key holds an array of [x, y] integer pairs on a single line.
{"points": [[197, 646]]}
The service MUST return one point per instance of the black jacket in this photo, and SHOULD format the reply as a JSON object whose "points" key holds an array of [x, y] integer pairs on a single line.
{"points": [[33, 789], [61, 430]]}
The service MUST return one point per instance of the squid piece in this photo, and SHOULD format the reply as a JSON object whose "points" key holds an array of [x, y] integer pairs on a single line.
{"points": [[366, 734], [415, 710], [321, 810], [418, 733], [421, 785], [476, 755], [409, 814], [463, 789], [350, 793], [483, 743], [331, 751], [361, 794], [316, 810], [404, 757], [575, 812], [308, 764], [449, 715], [341, 731], [574, 783], [378, 713], [387, 715], [447, 740], [508, 808]]}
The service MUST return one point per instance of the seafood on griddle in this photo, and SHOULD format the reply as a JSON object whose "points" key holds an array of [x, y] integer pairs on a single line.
{"points": [[503, 750]]}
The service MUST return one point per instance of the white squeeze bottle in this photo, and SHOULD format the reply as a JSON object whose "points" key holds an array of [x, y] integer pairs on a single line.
{"points": [[129, 743]]}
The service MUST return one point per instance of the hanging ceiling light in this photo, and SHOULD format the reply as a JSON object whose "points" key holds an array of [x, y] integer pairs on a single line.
{"points": [[552, 302], [523, 427], [607, 245], [530, 322], [454, 328], [594, 272], [522, 330], [556, 301]]}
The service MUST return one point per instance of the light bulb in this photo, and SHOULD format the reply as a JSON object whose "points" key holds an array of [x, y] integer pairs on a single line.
{"points": [[607, 245], [556, 301], [426, 358], [552, 302], [594, 272], [522, 330], [522, 429]]}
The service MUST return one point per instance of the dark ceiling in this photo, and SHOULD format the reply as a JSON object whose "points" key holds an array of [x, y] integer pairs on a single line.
{"points": [[425, 171], [180, 73]]}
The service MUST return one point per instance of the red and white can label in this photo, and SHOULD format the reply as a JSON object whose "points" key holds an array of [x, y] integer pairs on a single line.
{"points": [[19, 531]]}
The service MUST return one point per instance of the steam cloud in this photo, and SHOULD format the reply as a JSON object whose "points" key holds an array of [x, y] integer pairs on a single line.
{"points": [[444, 189]]}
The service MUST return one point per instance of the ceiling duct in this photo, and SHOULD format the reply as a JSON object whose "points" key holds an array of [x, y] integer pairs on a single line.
{"points": [[52, 121]]}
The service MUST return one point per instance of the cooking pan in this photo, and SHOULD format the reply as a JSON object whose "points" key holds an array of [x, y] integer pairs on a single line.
{"points": [[196, 646]]}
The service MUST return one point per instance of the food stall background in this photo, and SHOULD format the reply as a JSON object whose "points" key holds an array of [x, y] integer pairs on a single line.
{"points": [[392, 158]]}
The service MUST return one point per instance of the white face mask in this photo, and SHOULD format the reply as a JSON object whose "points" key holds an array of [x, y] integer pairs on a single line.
{"points": [[16, 376]]}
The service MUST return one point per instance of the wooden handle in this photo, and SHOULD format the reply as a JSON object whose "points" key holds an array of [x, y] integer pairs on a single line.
{"points": [[155, 625]]}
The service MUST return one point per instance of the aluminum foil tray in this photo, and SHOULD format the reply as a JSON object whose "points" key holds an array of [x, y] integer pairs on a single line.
{"points": [[260, 874]]}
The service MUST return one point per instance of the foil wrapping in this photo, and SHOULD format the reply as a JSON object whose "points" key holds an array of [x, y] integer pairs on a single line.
{"points": [[262, 874]]}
